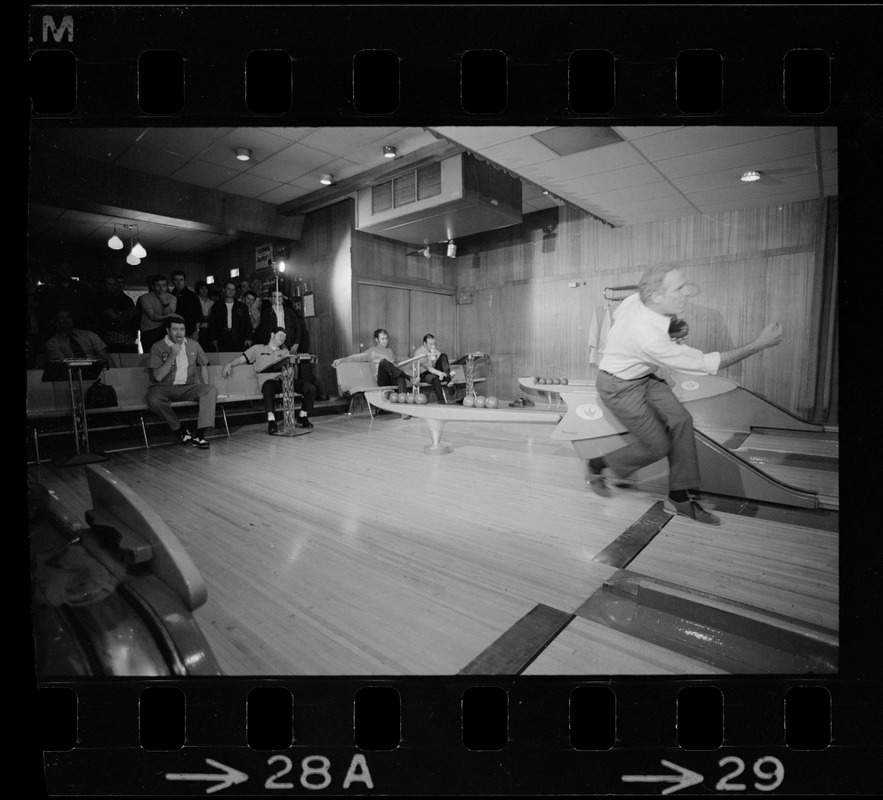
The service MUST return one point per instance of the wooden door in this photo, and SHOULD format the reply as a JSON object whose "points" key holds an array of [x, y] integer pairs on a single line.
{"points": [[407, 315], [384, 307], [432, 312]]}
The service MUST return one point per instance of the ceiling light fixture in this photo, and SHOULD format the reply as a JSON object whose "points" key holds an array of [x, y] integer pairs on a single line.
{"points": [[243, 154], [136, 249], [452, 249], [389, 151], [751, 175], [326, 179]]}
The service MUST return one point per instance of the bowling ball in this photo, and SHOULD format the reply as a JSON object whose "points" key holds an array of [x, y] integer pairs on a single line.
{"points": [[538, 379], [492, 402], [480, 401], [403, 397], [420, 400], [541, 381], [410, 398], [391, 397], [556, 381], [564, 381], [468, 401]]}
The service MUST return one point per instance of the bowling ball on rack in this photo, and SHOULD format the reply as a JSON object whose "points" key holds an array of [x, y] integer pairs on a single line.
{"points": [[492, 402], [391, 397], [403, 397], [420, 400], [410, 398], [468, 401], [556, 381], [480, 401], [564, 381], [537, 379]]}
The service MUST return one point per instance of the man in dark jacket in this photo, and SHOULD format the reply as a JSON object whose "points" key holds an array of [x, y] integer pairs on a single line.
{"points": [[229, 327], [188, 305], [280, 314]]}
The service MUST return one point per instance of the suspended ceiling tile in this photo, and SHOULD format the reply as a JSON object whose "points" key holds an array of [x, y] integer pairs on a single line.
{"points": [[283, 194], [638, 132], [187, 142], [290, 135], [249, 185], [828, 138], [262, 144], [341, 141], [292, 163], [152, 160], [744, 156], [518, 153], [632, 194], [568, 140], [409, 140], [476, 137], [607, 159], [638, 175], [758, 192], [780, 170], [209, 176], [701, 139]]}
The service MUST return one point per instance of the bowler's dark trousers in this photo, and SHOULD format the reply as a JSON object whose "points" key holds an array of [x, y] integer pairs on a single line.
{"points": [[659, 423]]}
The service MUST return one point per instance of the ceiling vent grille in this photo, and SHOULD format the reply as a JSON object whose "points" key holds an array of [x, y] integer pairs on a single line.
{"points": [[429, 181], [407, 188], [404, 189], [381, 197]]}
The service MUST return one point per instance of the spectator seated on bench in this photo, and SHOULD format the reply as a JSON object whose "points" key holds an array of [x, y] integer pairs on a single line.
{"points": [[261, 356], [173, 363], [433, 367]]}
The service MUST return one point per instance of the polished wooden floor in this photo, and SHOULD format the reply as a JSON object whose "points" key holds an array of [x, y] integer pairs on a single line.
{"points": [[349, 551]]}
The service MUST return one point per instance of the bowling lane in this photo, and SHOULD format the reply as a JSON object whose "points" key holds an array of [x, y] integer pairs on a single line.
{"points": [[589, 648], [789, 570], [803, 459]]}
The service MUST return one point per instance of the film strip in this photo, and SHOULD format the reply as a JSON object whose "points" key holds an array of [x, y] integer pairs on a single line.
{"points": [[481, 734]]}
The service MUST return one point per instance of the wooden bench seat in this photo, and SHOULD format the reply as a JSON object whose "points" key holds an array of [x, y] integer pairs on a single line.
{"points": [[52, 400]]}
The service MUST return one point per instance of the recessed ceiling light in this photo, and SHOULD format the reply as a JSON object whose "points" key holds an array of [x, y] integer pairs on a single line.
{"points": [[751, 175], [243, 154], [389, 151]]}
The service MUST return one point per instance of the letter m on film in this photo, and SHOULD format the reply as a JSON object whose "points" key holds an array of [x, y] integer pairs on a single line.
{"points": [[67, 26]]}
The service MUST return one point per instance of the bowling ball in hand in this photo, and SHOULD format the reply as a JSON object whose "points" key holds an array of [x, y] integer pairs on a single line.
{"points": [[492, 402], [409, 398], [420, 400], [468, 401], [480, 401]]}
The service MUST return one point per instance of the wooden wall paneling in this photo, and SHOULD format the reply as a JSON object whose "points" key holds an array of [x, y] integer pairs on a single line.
{"points": [[386, 307], [748, 264], [323, 258], [432, 312]]}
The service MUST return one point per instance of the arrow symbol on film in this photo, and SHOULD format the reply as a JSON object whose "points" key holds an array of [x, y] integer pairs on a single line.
{"points": [[686, 778], [224, 780]]}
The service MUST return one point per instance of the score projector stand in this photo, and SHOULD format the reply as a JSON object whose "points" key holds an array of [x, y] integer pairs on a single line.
{"points": [[287, 365], [74, 369]]}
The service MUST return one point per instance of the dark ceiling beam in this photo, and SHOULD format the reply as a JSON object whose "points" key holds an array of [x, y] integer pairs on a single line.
{"points": [[83, 184], [322, 197]]}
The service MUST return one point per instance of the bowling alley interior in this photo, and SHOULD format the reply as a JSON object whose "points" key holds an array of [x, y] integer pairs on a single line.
{"points": [[411, 527]]}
